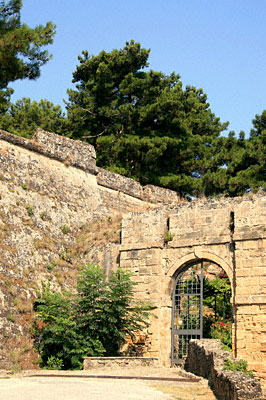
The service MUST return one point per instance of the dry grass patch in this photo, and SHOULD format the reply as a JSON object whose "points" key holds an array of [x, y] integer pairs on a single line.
{"points": [[8, 248], [98, 233], [44, 244], [187, 391]]}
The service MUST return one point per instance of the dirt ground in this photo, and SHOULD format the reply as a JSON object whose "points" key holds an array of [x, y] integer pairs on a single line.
{"points": [[75, 385]]}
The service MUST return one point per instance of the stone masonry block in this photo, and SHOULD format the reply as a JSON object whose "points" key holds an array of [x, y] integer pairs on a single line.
{"points": [[240, 273]]}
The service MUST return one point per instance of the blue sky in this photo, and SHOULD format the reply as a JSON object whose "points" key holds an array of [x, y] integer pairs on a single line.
{"points": [[216, 45]]}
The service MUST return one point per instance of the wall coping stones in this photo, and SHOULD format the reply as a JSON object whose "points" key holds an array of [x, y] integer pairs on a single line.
{"points": [[83, 156], [148, 193], [128, 362], [79, 154], [206, 358], [57, 147]]}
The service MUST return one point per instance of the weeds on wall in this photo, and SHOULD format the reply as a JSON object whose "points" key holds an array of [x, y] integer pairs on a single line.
{"points": [[65, 229], [168, 237], [237, 365]]}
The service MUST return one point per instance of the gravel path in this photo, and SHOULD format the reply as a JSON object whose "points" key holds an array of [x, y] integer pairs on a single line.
{"points": [[42, 388]]}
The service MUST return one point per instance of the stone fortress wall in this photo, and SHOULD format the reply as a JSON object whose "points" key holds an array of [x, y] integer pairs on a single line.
{"points": [[50, 189]]}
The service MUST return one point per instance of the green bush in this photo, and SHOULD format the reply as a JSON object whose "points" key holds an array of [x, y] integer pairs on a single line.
{"points": [[93, 322], [240, 365]]}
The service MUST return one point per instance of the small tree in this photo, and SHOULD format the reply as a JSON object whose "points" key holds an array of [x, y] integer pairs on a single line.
{"points": [[56, 334], [105, 310], [94, 321]]}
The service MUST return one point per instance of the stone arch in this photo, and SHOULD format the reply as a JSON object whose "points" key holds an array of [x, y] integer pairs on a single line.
{"points": [[196, 255]]}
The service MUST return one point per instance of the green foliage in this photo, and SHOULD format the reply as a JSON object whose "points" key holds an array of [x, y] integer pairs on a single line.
{"points": [[143, 123], [217, 294], [10, 318], [94, 321], [29, 210], [217, 322], [168, 237], [223, 331], [25, 116], [50, 267], [55, 331], [240, 365], [105, 307], [54, 363], [243, 161], [21, 48], [65, 229]]}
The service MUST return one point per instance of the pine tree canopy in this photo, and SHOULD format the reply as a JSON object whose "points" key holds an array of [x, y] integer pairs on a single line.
{"points": [[21, 47], [24, 117], [144, 124]]}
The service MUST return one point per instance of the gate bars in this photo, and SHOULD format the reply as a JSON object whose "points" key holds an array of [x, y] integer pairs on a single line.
{"points": [[187, 322]]}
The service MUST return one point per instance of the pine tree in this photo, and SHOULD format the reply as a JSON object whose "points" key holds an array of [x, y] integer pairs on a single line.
{"points": [[144, 124], [23, 117], [21, 48]]}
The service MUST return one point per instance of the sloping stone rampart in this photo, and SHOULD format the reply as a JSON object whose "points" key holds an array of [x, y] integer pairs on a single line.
{"points": [[51, 204]]}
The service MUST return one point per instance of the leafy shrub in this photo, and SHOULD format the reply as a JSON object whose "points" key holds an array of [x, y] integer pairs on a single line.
{"points": [[94, 321], [217, 293], [217, 322]]}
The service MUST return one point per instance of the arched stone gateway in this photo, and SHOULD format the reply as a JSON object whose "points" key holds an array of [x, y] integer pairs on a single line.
{"points": [[187, 305], [159, 245]]}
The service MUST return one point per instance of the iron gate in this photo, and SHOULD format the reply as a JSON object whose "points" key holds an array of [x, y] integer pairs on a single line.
{"points": [[187, 310]]}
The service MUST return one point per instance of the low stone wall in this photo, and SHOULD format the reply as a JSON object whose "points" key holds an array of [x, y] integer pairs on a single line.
{"points": [[206, 358], [128, 362]]}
